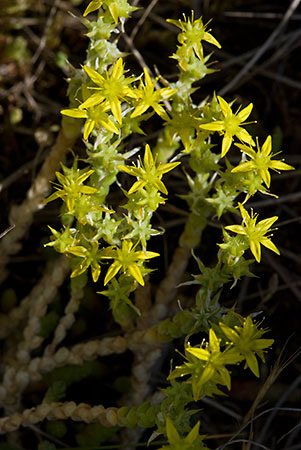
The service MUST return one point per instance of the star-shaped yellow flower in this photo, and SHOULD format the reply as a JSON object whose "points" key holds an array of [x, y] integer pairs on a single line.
{"points": [[95, 116], [261, 161], [214, 360], [193, 32], [118, 8], [127, 258], [247, 340], [149, 97], [255, 232], [193, 441], [230, 125], [113, 87], [71, 186], [148, 173]]}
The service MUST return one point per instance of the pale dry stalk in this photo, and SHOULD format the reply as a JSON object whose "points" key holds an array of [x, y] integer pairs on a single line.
{"points": [[18, 353], [42, 293], [60, 411], [66, 321], [22, 215], [16, 379]]}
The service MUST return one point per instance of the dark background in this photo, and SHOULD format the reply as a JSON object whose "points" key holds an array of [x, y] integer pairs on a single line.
{"points": [[35, 39]]}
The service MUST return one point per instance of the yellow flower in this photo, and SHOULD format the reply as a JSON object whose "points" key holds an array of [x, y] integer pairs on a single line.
{"points": [[261, 161], [90, 258], [247, 340], [70, 186], [193, 32], [127, 259], [113, 87], [231, 125], [255, 232], [95, 116], [214, 360], [148, 173], [207, 366], [148, 97], [193, 441], [117, 9]]}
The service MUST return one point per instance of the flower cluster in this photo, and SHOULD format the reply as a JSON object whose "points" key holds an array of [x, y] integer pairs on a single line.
{"points": [[207, 365], [118, 9], [112, 90], [114, 104], [193, 32]]}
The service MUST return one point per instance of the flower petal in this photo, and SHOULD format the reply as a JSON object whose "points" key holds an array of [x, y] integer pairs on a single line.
{"points": [[265, 224], [244, 167], [148, 157], [131, 170], [95, 76], [54, 196], [160, 186], [80, 268], [244, 136], [207, 374], [94, 100], [85, 176], [76, 113], [147, 255], [255, 249], [213, 341], [116, 109], [247, 150], [280, 165], [217, 125], [252, 363], [227, 141], [244, 113], [270, 245], [265, 175], [147, 78], [231, 334], [225, 107], [160, 111], [225, 376], [140, 109], [209, 38], [93, 6], [199, 353], [89, 125], [136, 273], [109, 125], [236, 229], [114, 10], [95, 270], [264, 343], [164, 168], [267, 146], [118, 68], [112, 271], [87, 190], [137, 186]]}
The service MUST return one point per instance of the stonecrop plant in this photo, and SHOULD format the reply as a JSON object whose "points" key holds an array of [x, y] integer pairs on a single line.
{"points": [[109, 238]]}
